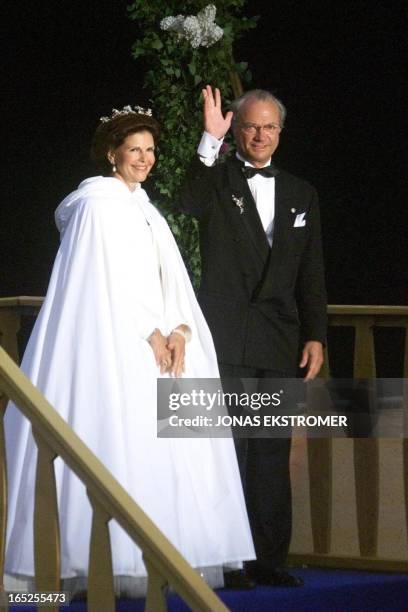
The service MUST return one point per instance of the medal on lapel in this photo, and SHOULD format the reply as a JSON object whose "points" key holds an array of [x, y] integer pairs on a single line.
{"points": [[239, 202]]}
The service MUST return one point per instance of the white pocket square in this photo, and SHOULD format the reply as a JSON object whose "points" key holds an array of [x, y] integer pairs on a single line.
{"points": [[300, 220]]}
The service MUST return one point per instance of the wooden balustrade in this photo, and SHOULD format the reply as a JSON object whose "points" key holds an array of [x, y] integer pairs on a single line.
{"points": [[165, 565], [350, 496]]}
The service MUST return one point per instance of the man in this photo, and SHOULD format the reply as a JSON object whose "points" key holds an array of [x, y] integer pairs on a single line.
{"points": [[262, 292]]}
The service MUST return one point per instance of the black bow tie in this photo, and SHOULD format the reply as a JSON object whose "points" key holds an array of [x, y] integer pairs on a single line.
{"points": [[268, 171]]}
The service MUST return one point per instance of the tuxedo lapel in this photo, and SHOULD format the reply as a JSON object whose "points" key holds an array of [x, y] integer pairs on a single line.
{"points": [[282, 242], [280, 226], [248, 221]]}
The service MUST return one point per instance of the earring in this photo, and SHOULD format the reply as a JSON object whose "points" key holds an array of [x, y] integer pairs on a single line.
{"points": [[113, 168]]}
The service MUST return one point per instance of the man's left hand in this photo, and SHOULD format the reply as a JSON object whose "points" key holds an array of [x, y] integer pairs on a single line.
{"points": [[312, 358]]}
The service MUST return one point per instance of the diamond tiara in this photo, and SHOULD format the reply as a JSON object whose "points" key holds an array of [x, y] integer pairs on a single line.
{"points": [[127, 110]]}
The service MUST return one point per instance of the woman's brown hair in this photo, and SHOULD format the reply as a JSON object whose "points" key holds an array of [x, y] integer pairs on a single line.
{"points": [[112, 133]]}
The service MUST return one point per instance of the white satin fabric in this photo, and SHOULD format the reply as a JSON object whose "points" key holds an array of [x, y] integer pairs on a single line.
{"points": [[118, 275]]}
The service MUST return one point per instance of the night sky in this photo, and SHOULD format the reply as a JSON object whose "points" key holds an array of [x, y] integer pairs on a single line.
{"points": [[339, 66]]}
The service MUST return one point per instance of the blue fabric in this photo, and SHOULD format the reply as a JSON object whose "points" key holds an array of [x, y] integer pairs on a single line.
{"points": [[324, 591]]}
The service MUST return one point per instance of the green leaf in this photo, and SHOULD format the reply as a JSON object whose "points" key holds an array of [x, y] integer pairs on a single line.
{"points": [[157, 44], [241, 66]]}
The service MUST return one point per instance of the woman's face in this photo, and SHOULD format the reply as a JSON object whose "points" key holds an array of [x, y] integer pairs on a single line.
{"points": [[134, 158]]}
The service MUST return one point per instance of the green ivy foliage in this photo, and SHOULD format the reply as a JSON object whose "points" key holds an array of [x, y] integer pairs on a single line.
{"points": [[175, 73]]}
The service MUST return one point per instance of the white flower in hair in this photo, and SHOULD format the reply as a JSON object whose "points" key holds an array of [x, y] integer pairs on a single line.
{"points": [[127, 110], [200, 30]]}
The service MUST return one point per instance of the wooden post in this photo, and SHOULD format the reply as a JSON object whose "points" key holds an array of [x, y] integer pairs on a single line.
{"points": [[319, 452], [405, 409], [47, 557], [10, 323], [156, 589], [3, 492], [101, 593], [366, 453]]}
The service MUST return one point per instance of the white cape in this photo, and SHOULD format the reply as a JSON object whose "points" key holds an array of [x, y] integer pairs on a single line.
{"points": [[118, 275]]}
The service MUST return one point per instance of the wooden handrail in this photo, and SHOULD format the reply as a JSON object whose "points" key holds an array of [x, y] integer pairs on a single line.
{"points": [[22, 300], [365, 487], [108, 497], [364, 310], [332, 309]]}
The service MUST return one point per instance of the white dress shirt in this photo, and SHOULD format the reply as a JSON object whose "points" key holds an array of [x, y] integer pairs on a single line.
{"points": [[262, 187]]}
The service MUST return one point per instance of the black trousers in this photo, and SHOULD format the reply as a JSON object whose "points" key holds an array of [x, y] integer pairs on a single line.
{"points": [[264, 467]]}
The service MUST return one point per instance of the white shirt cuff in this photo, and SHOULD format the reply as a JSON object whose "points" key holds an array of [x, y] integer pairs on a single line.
{"points": [[209, 148]]}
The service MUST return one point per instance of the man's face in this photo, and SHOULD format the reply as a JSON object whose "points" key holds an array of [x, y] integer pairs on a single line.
{"points": [[257, 131]]}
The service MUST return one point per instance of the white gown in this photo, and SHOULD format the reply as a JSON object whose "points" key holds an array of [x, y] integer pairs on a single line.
{"points": [[118, 275]]}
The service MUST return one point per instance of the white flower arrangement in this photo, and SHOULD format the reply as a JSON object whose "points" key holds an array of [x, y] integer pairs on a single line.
{"points": [[200, 30]]}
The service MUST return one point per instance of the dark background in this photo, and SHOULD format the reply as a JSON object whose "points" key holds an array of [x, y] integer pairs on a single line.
{"points": [[339, 66]]}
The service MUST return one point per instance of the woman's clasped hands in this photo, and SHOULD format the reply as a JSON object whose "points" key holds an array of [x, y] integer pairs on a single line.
{"points": [[169, 351]]}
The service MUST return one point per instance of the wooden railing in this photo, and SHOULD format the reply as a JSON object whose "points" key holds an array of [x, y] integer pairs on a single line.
{"points": [[165, 565], [12, 310], [350, 496]]}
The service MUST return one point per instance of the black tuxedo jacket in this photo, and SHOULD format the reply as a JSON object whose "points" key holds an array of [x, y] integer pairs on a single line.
{"points": [[259, 302]]}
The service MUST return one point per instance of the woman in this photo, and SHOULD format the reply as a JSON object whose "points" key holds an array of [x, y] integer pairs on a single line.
{"points": [[120, 312]]}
